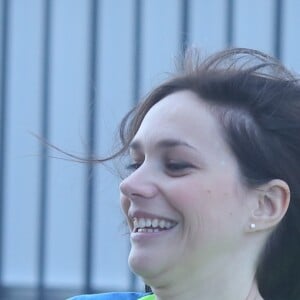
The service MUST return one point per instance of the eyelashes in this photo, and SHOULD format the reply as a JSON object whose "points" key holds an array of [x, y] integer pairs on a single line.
{"points": [[133, 166], [168, 166], [177, 166]]}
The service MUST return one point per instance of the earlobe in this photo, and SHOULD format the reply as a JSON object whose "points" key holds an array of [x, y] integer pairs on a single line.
{"points": [[272, 204]]}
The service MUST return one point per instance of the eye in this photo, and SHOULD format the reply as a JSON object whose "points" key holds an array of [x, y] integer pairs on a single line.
{"points": [[177, 167], [133, 166]]}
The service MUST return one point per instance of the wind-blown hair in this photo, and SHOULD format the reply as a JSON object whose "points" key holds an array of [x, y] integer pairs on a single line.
{"points": [[257, 102]]}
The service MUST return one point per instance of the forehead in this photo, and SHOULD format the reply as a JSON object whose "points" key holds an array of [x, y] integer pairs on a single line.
{"points": [[183, 116]]}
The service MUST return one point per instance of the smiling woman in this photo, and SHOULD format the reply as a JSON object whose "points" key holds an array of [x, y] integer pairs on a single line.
{"points": [[213, 197]]}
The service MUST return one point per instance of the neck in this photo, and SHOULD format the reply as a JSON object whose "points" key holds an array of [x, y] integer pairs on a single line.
{"points": [[253, 294], [218, 293], [225, 282]]}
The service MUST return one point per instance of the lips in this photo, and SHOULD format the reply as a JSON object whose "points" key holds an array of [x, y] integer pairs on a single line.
{"points": [[145, 222], [151, 225]]}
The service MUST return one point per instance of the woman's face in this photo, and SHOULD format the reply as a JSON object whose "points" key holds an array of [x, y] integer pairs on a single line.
{"points": [[184, 201]]}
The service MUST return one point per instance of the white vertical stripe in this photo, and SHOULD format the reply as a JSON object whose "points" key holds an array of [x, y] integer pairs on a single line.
{"points": [[114, 98], [24, 108], [161, 26], [68, 106], [255, 24], [208, 25]]}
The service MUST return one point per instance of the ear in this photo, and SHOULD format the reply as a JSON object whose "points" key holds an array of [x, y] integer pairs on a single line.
{"points": [[272, 204]]}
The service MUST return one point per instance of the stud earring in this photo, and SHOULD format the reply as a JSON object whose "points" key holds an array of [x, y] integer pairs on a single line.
{"points": [[252, 226]]}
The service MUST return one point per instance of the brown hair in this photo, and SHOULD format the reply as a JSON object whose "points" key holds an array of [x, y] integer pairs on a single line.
{"points": [[257, 101]]}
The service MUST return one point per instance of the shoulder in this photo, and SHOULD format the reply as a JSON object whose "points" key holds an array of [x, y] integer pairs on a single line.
{"points": [[110, 296]]}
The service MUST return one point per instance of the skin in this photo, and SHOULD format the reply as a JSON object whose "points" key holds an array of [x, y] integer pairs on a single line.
{"points": [[184, 171]]}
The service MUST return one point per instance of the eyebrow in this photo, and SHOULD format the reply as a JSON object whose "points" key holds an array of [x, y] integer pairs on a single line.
{"points": [[167, 143]]}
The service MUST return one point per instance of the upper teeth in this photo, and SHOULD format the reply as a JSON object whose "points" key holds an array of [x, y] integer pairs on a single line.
{"points": [[154, 223]]}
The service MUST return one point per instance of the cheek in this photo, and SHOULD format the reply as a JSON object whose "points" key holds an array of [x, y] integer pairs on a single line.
{"points": [[224, 208], [187, 196], [189, 199], [211, 202]]}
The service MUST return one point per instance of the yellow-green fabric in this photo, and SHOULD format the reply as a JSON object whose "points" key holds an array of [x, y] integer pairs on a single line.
{"points": [[148, 297]]}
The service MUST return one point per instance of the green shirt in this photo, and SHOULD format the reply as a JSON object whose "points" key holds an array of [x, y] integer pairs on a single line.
{"points": [[148, 297]]}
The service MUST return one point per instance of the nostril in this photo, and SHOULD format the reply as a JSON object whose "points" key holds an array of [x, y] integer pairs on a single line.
{"points": [[123, 188], [128, 185], [128, 189], [138, 186]]}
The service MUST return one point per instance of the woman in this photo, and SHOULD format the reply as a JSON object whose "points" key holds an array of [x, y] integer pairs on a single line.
{"points": [[213, 197]]}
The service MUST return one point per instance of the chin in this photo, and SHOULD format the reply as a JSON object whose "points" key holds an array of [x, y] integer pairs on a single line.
{"points": [[145, 266]]}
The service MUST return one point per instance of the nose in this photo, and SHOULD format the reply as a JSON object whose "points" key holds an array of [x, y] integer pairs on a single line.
{"points": [[139, 184]]}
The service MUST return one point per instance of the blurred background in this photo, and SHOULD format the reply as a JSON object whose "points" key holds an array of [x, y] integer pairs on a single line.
{"points": [[69, 71]]}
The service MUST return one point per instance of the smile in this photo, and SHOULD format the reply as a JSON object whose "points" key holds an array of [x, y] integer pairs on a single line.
{"points": [[147, 225]]}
